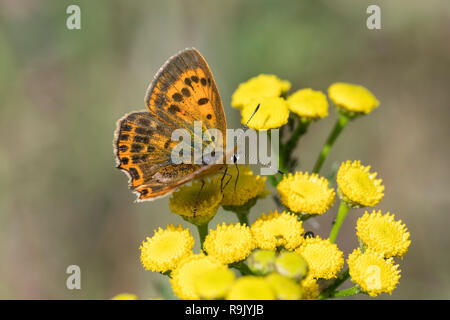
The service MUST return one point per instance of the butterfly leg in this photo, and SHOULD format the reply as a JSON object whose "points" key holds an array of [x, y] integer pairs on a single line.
{"points": [[198, 197], [237, 177], [221, 180]]}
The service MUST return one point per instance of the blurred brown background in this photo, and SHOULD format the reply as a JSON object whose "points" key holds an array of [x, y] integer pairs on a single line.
{"points": [[61, 92]]}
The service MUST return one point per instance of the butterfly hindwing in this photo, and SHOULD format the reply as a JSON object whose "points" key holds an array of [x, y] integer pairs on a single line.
{"points": [[143, 150]]}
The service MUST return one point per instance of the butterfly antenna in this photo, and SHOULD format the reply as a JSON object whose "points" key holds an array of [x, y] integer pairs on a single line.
{"points": [[257, 107], [221, 180]]}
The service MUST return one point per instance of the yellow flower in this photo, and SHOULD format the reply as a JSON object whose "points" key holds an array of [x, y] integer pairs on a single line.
{"points": [[324, 258], [188, 271], [248, 187], [308, 103], [229, 243], [310, 288], [272, 113], [262, 86], [352, 98], [306, 193], [357, 186], [184, 200], [277, 229], [125, 296], [383, 234], [285, 288], [373, 273], [214, 284], [251, 288], [292, 265], [166, 248]]}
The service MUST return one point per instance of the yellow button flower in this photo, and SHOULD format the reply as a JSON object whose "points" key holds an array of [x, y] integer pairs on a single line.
{"points": [[352, 98], [272, 113], [357, 186], [304, 193], [166, 248], [229, 243], [125, 296], [277, 229], [324, 258], [251, 288], [310, 288], [262, 86], [308, 103], [372, 273], [188, 271], [248, 187], [285, 288], [214, 284], [383, 234], [184, 200]]}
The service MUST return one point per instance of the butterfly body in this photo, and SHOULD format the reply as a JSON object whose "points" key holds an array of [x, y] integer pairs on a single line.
{"points": [[183, 91]]}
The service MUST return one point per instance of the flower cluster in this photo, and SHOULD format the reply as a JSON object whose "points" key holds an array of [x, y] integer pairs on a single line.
{"points": [[267, 255], [274, 257]]}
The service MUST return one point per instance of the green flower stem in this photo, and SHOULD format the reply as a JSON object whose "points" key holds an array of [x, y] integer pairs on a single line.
{"points": [[339, 126], [342, 213], [202, 232], [301, 129], [306, 216], [328, 292], [243, 218], [241, 267], [284, 156], [346, 292]]}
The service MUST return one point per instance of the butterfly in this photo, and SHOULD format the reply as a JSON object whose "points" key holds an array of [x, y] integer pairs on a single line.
{"points": [[183, 91]]}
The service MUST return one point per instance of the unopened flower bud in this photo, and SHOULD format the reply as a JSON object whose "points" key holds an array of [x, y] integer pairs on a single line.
{"points": [[291, 265], [261, 262]]}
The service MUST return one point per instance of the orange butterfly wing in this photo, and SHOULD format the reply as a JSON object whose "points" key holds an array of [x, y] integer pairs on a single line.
{"points": [[182, 92]]}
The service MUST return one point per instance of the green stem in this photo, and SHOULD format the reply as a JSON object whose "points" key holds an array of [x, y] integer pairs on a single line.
{"points": [[284, 156], [306, 216], [202, 232], [242, 267], [338, 127], [243, 218], [293, 140], [346, 292], [342, 213], [327, 292]]}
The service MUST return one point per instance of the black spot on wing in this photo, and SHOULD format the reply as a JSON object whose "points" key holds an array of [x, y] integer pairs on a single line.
{"points": [[125, 127], [143, 131], [186, 92], [202, 101], [134, 173], [124, 137], [173, 109], [177, 97], [136, 148], [141, 139]]}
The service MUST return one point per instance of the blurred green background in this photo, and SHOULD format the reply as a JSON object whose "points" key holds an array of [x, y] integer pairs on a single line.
{"points": [[62, 202]]}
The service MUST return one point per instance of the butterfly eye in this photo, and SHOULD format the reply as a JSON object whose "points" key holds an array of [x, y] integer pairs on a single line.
{"points": [[308, 234]]}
